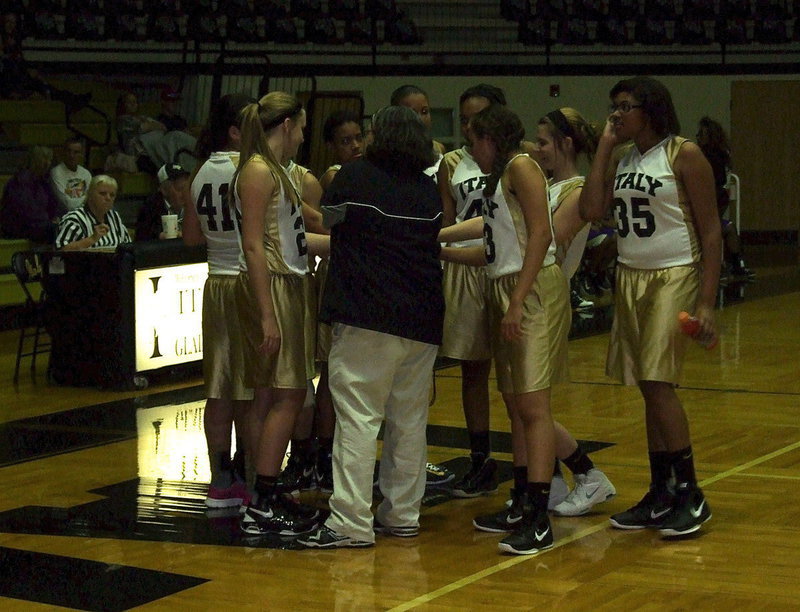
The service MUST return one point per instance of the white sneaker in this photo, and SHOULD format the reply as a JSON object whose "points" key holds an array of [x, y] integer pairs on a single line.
{"points": [[559, 490], [591, 489]]}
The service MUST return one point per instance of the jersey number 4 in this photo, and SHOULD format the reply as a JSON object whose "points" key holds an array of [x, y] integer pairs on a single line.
{"points": [[639, 219], [206, 206]]}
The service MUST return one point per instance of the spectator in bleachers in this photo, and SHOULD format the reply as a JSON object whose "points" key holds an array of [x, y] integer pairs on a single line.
{"points": [[95, 224], [148, 140], [29, 208], [173, 189], [169, 115], [70, 179]]}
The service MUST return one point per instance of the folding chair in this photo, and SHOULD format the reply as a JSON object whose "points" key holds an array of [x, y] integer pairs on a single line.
{"points": [[27, 266]]}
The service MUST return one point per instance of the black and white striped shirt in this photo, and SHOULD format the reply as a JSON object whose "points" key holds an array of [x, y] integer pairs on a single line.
{"points": [[79, 224]]}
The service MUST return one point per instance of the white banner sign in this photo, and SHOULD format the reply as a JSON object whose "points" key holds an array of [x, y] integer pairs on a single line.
{"points": [[169, 315]]}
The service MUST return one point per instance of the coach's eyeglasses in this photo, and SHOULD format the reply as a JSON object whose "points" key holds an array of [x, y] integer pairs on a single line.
{"points": [[623, 107]]}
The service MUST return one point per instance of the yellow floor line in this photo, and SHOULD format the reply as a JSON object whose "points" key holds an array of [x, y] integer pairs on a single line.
{"points": [[749, 464], [508, 563], [772, 476], [504, 565]]}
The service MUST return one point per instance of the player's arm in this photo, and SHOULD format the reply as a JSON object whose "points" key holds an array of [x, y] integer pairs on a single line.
{"points": [[528, 183], [326, 179], [692, 168], [311, 190], [470, 256], [448, 201], [192, 231], [318, 245], [567, 220], [597, 193], [466, 230], [255, 186]]}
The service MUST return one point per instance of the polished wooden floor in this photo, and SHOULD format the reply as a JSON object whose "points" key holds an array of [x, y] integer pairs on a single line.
{"points": [[743, 400]]}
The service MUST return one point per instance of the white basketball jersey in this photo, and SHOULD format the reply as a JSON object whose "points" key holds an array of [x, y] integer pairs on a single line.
{"points": [[284, 234], [654, 223], [505, 234], [570, 257], [432, 171], [466, 184], [210, 199]]}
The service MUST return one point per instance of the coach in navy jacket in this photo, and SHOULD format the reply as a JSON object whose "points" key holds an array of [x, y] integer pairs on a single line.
{"points": [[383, 298]]}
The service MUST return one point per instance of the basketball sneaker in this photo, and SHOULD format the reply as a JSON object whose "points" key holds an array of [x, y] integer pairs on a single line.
{"points": [[508, 519], [409, 531], [437, 475], [579, 303], [559, 489], [298, 475], [273, 515], [534, 535], [323, 472], [591, 489], [234, 495], [480, 480], [326, 538], [689, 511], [651, 512]]}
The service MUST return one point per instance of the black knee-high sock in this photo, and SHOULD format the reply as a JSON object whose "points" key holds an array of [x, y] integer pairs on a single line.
{"points": [[301, 449], [325, 445], [520, 478], [239, 460], [266, 486], [578, 462], [480, 444], [538, 494], [682, 462], [660, 470], [221, 469]]}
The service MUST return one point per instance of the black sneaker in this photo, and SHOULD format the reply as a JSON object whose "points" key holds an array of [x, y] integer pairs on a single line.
{"points": [[740, 271], [274, 516], [480, 480], [689, 511], [533, 536], [651, 512], [325, 537], [300, 510], [323, 472], [437, 475], [508, 519], [298, 475]]}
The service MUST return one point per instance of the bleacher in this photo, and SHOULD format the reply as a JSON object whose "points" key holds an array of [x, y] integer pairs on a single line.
{"points": [[43, 122]]}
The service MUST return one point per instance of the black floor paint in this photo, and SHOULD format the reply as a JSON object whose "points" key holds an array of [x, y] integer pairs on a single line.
{"points": [[84, 585]]}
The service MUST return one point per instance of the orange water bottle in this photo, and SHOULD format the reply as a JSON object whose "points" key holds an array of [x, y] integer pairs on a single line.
{"points": [[691, 326]]}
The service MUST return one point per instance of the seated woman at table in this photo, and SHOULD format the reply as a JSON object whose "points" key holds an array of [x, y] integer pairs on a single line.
{"points": [[95, 224]]}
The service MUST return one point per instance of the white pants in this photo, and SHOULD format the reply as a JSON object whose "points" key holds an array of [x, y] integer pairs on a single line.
{"points": [[375, 376]]}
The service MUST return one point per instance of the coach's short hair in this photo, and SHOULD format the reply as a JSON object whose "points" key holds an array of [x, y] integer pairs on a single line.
{"points": [[401, 141]]}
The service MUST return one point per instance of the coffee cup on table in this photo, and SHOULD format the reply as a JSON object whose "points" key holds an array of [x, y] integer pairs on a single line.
{"points": [[169, 225]]}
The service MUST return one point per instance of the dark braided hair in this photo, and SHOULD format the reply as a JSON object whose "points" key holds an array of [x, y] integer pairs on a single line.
{"points": [[504, 128], [225, 112], [493, 94]]}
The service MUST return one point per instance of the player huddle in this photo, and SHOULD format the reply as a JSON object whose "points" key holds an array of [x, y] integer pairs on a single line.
{"points": [[513, 216]]}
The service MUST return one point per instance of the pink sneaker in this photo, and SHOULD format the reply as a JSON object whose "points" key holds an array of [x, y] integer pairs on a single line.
{"points": [[235, 495]]}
